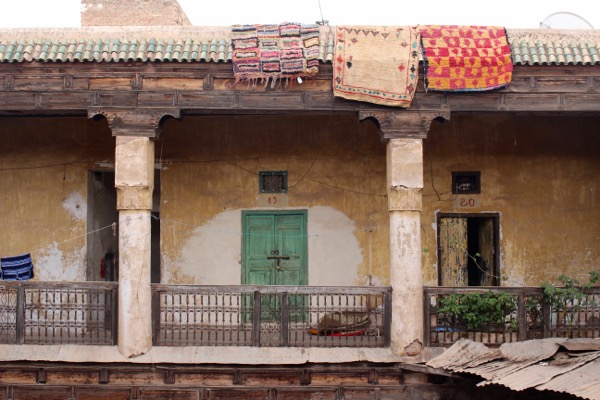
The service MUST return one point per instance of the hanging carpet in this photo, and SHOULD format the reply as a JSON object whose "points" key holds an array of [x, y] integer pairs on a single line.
{"points": [[465, 58], [283, 51], [376, 64]]}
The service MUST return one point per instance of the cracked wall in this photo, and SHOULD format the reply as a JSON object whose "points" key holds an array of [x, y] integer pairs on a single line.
{"points": [[539, 173]]}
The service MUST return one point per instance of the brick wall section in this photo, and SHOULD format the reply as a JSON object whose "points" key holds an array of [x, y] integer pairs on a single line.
{"points": [[132, 13]]}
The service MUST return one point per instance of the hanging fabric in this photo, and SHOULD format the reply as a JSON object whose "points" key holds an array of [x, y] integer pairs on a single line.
{"points": [[16, 268]]}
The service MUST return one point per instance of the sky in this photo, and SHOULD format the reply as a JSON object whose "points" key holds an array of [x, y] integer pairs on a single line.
{"points": [[572, 14]]}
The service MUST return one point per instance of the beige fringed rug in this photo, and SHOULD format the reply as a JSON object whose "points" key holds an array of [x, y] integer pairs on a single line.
{"points": [[376, 64]]}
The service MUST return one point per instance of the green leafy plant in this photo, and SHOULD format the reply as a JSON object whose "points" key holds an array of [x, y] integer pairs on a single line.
{"points": [[567, 300], [533, 310], [476, 310]]}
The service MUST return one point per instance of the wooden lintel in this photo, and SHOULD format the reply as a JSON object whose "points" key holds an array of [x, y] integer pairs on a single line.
{"points": [[134, 122], [404, 123]]}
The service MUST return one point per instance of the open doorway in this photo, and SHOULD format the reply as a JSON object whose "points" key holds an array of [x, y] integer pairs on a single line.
{"points": [[103, 223], [103, 239], [468, 249], [155, 231]]}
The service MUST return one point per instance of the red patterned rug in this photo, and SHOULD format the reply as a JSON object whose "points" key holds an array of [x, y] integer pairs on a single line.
{"points": [[465, 58], [281, 51], [376, 64]]}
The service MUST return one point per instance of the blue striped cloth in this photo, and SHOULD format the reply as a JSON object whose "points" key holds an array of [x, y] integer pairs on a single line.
{"points": [[16, 268]]}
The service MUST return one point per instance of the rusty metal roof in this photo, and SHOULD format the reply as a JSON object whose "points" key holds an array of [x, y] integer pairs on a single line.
{"points": [[560, 365], [213, 44]]}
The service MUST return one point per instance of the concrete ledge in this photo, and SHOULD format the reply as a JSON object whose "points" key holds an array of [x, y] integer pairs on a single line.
{"points": [[197, 355]]}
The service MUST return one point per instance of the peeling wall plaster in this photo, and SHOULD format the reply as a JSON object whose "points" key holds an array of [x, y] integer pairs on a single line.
{"points": [[212, 255], [76, 205], [52, 264]]}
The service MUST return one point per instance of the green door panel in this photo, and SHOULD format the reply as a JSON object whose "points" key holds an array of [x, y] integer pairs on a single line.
{"points": [[290, 240], [258, 241], [274, 234], [268, 235]]}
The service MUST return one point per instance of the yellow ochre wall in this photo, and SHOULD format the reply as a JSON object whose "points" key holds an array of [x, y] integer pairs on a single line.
{"points": [[541, 174], [336, 168], [44, 164]]}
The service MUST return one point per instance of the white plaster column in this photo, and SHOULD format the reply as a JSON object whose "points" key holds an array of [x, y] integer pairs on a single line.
{"points": [[134, 181], [404, 188]]}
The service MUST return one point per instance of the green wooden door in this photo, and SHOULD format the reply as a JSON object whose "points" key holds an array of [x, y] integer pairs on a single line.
{"points": [[274, 248], [275, 253]]}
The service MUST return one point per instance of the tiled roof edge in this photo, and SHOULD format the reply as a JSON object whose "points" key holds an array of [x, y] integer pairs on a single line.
{"points": [[213, 44]]}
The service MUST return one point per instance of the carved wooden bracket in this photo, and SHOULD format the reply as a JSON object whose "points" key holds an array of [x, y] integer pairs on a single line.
{"points": [[134, 122], [404, 123]]}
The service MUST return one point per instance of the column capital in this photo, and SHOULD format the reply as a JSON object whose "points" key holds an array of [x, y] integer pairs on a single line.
{"points": [[395, 124], [402, 198], [134, 121], [134, 197], [134, 172]]}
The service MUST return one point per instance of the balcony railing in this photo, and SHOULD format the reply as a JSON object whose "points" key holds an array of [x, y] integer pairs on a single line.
{"points": [[518, 314], [271, 316], [58, 313]]}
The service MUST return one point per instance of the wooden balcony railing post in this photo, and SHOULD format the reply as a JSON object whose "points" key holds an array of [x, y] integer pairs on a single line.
{"points": [[256, 317], [115, 317], [521, 317], [426, 318], [387, 319], [20, 315], [155, 317], [285, 319], [546, 316]]}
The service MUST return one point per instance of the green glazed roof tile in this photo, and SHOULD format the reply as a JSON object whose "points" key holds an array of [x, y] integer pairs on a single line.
{"points": [[204, 44]]}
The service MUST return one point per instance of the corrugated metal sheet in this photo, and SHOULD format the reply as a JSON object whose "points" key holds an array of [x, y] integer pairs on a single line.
{"points": [[213, 44], [583, 382], [561, 365], [542, 373]]}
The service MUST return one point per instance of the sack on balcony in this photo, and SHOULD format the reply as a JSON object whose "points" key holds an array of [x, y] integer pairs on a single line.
{"points": [[342, 323]]}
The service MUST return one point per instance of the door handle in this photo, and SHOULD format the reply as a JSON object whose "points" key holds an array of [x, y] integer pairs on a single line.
{"points": [[278, 258]]}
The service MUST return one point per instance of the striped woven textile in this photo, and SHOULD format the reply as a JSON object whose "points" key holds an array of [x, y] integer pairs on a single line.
{"points": [[281, 51], [16, 268], [465, 58]]}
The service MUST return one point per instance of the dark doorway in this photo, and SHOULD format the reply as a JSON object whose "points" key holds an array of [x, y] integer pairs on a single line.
{"points": [[103, 223], [102, 226], [468, 249], [155, 231]]}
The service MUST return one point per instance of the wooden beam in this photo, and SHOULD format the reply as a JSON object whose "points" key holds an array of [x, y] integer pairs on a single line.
{"points": [[74, 88]]}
